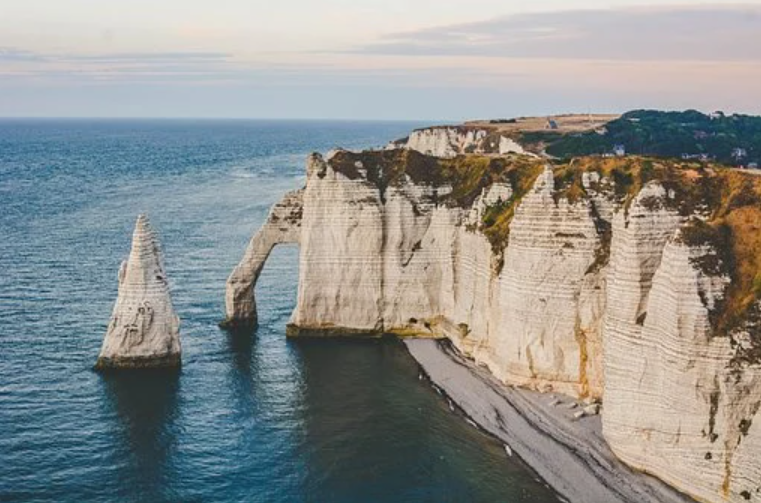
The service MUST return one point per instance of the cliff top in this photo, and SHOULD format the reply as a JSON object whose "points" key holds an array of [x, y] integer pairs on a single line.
{"points": [[566, 123], [467, 175]]}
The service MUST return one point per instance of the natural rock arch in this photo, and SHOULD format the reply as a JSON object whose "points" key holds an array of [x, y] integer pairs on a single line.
{"points": [[283, 225]]}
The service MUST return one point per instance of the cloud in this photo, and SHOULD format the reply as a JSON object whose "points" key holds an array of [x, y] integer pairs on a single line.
{"points": [[149, 57], [8, 54], [284, 69], [56, 67], [203, 68], [702, 33]]}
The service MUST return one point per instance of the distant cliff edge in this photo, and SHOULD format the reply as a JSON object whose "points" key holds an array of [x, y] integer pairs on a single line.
{"points": [[734, 140]]}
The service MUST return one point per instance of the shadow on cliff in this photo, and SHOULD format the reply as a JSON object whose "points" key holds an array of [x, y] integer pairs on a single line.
{"points": [[145, 407]]}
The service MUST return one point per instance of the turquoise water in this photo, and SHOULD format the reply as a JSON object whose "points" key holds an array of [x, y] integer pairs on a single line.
{"points": [[251, 417]]}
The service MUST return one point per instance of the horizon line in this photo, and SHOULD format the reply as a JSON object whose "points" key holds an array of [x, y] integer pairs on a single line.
{"points": [[442, 121]]}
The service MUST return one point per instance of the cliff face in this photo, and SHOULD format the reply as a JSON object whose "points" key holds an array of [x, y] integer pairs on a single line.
{"points": [[678, 402], [629, 280], [402, 259], [455, 140]]}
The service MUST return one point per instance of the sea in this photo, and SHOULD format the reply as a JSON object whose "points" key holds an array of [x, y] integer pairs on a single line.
{"points": [[251, 417]]}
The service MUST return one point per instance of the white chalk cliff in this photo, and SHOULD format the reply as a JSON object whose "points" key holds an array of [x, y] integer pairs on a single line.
{"points": [[595, 295], [144, 330], [450, 141], [677, 404]]}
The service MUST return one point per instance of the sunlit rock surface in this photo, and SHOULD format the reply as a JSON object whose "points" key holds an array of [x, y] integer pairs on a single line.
{"points": [[283, 225], [588, 289], [144, 330], [675, 404], [445, 141], [450, 141]]}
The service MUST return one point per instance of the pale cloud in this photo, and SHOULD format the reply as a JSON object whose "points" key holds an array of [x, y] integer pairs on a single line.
{"points": [[10, 54], [52, 65], [153, 57], [201, 68], [702, 33]]}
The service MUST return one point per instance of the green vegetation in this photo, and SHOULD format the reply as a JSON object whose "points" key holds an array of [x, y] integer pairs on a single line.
{"points": [[734, 231], [691, 183], [386, 168], [731, 200], [666, 134], [468, 175], [498, 217]]}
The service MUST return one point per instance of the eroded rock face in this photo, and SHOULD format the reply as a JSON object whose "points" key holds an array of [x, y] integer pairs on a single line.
{"points": [[144, 330], [675, 404], [541, 336], [283, 225], [445, 141], [456, 140]]}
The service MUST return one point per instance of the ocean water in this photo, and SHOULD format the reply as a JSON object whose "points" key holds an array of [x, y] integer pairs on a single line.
{"points": [[250, 417]]}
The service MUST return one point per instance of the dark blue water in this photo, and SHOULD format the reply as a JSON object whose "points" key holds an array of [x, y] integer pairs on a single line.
{"points": [[251, 417]]}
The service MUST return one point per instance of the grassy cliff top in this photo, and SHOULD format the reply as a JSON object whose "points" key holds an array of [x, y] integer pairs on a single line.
{"points": [[565, 123], [467, 175]]}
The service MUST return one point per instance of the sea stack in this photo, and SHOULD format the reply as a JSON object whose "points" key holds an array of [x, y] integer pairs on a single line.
{"points": [[144, 331]]}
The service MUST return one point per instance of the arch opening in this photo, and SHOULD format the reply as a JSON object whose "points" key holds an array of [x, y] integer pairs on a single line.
{"points": [[283, 226]]}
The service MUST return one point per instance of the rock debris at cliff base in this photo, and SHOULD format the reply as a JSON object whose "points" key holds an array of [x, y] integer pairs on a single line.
{"points": [[568, 453]]}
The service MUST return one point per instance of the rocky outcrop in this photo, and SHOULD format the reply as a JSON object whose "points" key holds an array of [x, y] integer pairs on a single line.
{"points": [[579, 278], [543, 296], [450, 141], [144, 330], [445, 141], [283, 225]]}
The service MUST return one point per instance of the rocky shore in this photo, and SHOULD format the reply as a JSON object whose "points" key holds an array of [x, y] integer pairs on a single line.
{"points": [[544, 430]]}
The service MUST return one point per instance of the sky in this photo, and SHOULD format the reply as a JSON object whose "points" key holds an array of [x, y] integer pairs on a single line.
{"points": [[433, 60]]}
